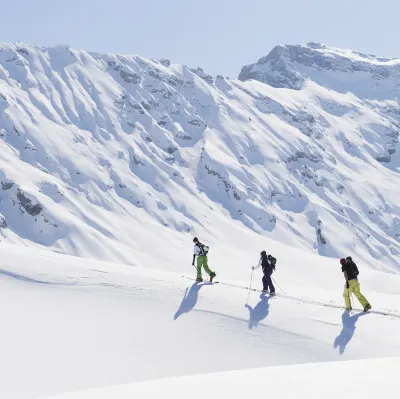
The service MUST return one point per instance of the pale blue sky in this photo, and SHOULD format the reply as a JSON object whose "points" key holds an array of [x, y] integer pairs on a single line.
{"points": [[218, 35]]}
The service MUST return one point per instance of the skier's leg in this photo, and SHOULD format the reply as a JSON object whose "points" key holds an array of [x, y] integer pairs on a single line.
{"points": [[199, 265], [355, 286], [270, 283], [265, 283], [346, 296], [205, 265]]}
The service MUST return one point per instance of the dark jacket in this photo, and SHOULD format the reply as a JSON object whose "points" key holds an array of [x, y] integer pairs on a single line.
{"points": [[351, 269]]}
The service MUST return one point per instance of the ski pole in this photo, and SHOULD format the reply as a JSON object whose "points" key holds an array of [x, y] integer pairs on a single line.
{"points": [[251, 278], [278, 285]]}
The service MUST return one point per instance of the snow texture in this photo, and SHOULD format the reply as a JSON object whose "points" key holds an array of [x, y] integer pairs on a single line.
{"points": [[121, 160], [71, 324], [106, 156], [369, 378]]}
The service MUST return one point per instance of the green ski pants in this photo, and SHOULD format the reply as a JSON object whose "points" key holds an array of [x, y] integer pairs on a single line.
{"points": [[202, 261], [354, 288]]}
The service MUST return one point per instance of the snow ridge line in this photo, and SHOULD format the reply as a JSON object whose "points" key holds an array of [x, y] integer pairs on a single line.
{"points": [[303, 300]]}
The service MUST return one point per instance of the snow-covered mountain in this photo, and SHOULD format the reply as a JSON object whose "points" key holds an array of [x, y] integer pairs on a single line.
{"points": [[125, 159], [121, 157], [367, 75]]}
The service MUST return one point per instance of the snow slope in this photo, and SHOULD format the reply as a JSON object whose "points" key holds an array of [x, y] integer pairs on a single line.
{"points": [[119, 157], [72, 324], [360, 379]]}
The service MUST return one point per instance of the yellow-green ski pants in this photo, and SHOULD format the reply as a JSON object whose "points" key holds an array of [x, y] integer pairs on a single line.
{"points": [[354, 288]]}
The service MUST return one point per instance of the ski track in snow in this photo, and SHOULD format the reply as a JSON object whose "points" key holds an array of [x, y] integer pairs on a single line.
{"points": [[299, 299], [105, 324]]}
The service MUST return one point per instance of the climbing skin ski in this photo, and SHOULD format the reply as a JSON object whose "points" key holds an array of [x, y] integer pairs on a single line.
{"points": [[209, 282], [212, 275]]}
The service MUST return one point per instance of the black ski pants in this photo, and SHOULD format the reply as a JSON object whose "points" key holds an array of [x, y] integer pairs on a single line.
{"points": [[267, 280]]}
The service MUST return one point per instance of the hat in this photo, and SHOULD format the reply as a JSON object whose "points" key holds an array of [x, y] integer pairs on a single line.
{"points": [[195, 239], [342, 261]]}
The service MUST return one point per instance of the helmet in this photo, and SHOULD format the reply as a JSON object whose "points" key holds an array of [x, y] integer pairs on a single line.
{"points": [[263, 253], [348, 259], [195, 239], [342, 261]]}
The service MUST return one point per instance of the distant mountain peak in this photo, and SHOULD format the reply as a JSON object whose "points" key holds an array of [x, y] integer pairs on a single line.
{"points": [[290, 66]]}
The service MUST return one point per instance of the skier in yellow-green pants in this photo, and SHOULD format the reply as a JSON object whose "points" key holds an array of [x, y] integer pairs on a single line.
{"points": [[200, 250], [352, 286]]}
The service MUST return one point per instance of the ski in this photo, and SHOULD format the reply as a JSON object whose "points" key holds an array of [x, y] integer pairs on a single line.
{"points": [[201, 282]]}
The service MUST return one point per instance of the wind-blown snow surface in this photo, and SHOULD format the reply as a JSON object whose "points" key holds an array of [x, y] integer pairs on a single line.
{"points": [[71, 324], [120, 157], [356, 379]]}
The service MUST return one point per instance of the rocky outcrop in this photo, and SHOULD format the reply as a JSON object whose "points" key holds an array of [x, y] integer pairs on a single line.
{"points": [[27, 204]]}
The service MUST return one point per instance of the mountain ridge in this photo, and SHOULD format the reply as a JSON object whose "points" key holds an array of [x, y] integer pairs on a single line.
{"points": [[95, 144], [290, 66]]}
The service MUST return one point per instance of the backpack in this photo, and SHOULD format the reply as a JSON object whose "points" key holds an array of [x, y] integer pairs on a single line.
{"points": [[268, 261], [203, 249], [272, 260], [353, 266]]}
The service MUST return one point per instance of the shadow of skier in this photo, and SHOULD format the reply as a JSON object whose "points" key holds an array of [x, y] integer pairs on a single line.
{"points": [[189, 300], [348, 329], [259, 312]]}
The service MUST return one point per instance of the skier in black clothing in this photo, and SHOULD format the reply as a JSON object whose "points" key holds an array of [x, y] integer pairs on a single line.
{"points": [[267, 262], [352, 286]]}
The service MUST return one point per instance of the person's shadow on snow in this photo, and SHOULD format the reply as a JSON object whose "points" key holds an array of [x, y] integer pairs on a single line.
{"points": [[259, 312], [348, 329], [189, 300]]}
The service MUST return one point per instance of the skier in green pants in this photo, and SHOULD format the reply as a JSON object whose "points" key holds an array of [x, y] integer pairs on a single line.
{"points": [[350, 271], [200, 250]]}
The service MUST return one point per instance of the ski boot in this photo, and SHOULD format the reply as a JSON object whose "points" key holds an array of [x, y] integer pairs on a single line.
{"points": [[199, 280], [264, 291], [367, 307], [212, 275]]}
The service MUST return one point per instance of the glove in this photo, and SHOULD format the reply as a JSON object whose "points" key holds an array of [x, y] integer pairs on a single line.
{"points": [[347, 285], [252, 267], [192, 263]]}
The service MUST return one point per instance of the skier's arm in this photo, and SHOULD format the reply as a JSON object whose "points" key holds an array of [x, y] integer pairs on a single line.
{"points": [[259, 264], [195, 253], [346, 278]]}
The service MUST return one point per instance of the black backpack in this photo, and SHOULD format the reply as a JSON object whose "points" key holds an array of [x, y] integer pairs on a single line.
{"points": [[203, 249], [268, 261], [272, 261], [353, 266]]}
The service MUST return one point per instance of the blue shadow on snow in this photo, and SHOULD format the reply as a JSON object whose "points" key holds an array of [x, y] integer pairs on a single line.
{"points": [[348, 329], [259, 312], [189, 300]]}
